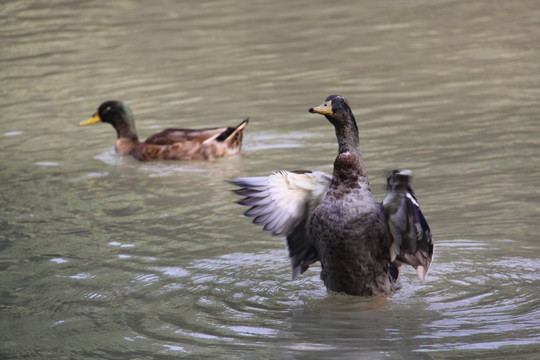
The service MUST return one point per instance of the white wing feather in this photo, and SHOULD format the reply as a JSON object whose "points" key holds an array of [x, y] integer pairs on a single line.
{"points": [[283, 203]]}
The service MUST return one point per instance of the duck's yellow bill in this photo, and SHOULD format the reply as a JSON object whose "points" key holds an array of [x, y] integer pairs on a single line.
{"points": [[325, 108], [94, 119]]}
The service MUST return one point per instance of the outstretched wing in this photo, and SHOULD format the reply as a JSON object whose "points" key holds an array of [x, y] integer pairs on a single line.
{"points": [[412, 240], [283, 203]]}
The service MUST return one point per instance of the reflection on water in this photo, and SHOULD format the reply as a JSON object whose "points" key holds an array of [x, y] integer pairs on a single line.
{"points": [[105, 257]]}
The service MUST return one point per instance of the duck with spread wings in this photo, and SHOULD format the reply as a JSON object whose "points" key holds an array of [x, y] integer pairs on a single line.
{"points": [[360, 243]]}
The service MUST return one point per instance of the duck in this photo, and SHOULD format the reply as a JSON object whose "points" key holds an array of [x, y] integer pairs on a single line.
{"points": [[361, 244], [169, 144]]}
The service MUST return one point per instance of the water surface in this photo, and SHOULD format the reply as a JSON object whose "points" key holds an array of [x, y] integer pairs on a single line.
{"points": [[106, 257]]}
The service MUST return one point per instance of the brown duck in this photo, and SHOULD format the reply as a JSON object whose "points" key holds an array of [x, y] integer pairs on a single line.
{"points": [[334, 219], [170, 144]]}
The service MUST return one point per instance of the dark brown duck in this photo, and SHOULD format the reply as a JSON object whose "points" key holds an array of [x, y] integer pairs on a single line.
{"points": [[360, 243]]}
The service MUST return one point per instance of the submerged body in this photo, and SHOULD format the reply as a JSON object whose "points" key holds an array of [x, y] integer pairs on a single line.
{"points": [[169, 144], [359, 242]]}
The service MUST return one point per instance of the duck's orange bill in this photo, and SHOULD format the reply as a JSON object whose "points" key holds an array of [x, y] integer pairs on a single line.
{"points": [[325, 108], [94, 119]]}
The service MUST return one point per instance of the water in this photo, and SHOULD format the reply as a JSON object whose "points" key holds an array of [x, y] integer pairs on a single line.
{"points": [[105, 257]]}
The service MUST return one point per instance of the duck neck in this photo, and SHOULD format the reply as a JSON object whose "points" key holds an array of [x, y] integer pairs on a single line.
{"points": [[128, 133], [347, 136], [125, 128], [349, 166]]}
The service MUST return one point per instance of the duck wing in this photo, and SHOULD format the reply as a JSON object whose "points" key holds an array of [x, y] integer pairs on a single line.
{"points": [[412, 240], [173, 135], [283, 203]]}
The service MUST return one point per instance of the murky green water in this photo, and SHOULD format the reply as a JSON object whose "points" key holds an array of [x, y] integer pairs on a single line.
{"points": [[105, 257]]}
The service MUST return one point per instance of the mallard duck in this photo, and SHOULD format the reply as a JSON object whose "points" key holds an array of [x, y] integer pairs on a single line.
{"points": [[360, 243], [170, 144]]}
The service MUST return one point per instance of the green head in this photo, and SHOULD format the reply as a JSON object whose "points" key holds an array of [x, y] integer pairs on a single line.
{"points": [[118, 115]]}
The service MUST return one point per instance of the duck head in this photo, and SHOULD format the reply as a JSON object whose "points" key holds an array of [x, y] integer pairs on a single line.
{"points": [[337, 110], [118, 115]]}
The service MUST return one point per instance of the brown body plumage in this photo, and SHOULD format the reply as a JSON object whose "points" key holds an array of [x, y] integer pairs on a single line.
{"points": [[169, 144], [351, 235]]}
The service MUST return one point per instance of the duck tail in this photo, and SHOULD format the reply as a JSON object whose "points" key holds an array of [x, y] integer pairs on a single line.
{"points": [[233, 135]]}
